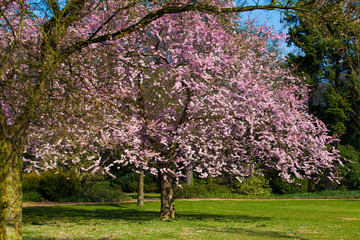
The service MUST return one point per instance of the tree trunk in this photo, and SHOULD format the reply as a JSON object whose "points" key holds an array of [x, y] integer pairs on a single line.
{"points": [[328, 182], [189, 177], [10, 188], [167, 211], [140, 195], [311, 185]]}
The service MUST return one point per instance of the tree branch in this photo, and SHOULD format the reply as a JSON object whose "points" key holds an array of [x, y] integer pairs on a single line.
{"points": [[54, 7], [112, 16], [152, 16], [183, 116]]}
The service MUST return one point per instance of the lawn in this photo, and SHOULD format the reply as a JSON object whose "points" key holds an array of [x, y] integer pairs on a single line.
{"points": [[205, 219]]}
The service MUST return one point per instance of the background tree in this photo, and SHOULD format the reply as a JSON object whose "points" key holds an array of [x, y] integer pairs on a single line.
{"points": [[329, 61]]}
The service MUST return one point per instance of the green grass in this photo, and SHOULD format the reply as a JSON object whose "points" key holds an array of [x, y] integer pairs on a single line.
{"points": [[329, 194], [223, 219], [146, 195]]}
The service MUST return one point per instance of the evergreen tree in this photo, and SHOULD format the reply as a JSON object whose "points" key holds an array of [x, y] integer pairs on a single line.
{"points": [[329, 62]]}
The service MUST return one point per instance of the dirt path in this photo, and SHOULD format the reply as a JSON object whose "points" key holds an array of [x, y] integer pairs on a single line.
{"points": [[42, 204], [46, 203]]}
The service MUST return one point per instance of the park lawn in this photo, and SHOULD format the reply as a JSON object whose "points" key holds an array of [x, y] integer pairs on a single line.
{"points": [[205, 219]]}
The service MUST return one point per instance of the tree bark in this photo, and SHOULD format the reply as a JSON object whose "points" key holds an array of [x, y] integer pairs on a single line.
{"points": [[189, 177], [167, 211], [140, 195], [10, 188], [328, 182]]}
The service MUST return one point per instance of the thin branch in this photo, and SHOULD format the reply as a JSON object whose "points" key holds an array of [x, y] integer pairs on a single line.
{"points": [[112, 16], [152, 16], [54, 7]]}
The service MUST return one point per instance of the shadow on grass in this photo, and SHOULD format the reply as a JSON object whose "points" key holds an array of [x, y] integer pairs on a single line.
{"points": [[36, 238], [220, 218], [259, 233], [47, 238], [81, 214], [254, 231], [49, 214]]}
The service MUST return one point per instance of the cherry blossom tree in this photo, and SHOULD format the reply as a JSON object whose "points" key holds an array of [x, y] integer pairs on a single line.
{"points": [[194, 94], [57, 78]]}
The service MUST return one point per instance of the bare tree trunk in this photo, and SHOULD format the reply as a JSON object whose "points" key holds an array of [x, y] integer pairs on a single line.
{"points": [[167, 211], [140, 195], [10, 188], [189, 177]]}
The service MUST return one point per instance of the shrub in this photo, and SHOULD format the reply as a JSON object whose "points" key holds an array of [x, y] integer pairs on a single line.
{"points": [[99, 193], [30, 182], [87, 178], [102, 184], [128, 182], [32, 196], [153, 187], [255, 185], [210, 180], [151, 183], [125, 180], [58, 186], [202, 191], [133, 186], [282, 187]]}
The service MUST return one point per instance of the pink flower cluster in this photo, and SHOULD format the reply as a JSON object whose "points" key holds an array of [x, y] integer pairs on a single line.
{"points": [[188, 91]]}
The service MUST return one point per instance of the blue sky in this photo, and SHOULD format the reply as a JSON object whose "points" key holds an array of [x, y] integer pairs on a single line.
{"points": [[273, 19]]}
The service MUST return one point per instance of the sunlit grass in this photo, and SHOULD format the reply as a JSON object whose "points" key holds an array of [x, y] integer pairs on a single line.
{"points": [[329, 194], [223, 219]]}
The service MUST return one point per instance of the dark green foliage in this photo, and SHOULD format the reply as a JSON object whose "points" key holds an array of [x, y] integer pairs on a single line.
{"points": [[280, 186], [151, 183], [32, 196], [65, 187], [351, 171], [128, 182], [59, 186], [337, 111], [255, 185], [212, 180], [101, 192], [151, 188], [328, 194], [209, 190], [329, 62], [124, 180], [102, 184], [88, 179], [30, 182], [30, 187], [133, 186]]}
